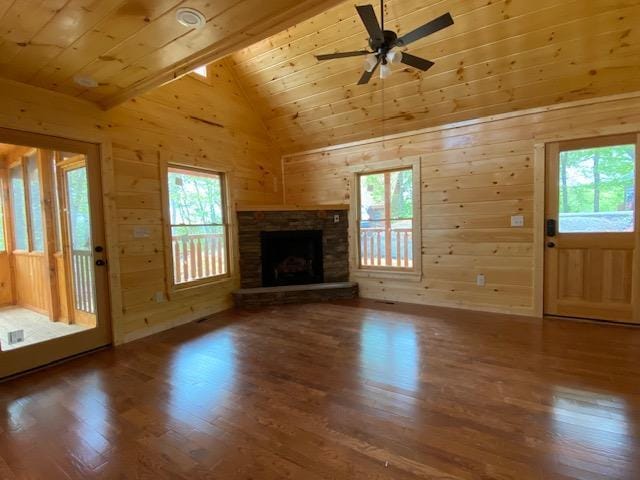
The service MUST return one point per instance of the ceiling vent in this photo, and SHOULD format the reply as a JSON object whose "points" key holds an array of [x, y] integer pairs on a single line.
{"points": [[190, 17]]}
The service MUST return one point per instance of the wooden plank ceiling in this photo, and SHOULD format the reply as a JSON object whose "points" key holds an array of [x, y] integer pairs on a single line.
{"points": [[499, 56], [129, 46]]}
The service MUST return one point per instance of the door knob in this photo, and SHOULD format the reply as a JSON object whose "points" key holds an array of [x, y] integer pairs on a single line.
{"points": [[551, 244]]}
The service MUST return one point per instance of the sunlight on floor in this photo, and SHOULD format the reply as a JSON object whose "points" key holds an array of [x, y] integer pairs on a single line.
{"points": [[37, 327]]}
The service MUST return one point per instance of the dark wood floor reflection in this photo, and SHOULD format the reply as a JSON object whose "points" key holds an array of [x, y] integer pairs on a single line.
{"points": [[337, 391]]}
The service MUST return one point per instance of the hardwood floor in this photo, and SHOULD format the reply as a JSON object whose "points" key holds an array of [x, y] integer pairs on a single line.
{"points": [[355, 389]]}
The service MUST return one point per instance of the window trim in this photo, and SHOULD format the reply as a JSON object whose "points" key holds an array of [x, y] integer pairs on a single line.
{"points": [[171, 286], [381, 271]]}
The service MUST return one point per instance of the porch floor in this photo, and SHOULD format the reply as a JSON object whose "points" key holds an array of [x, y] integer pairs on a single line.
{"points": [[37, 327]]}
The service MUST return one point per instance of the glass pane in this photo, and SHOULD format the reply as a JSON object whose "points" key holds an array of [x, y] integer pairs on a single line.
{"points": [[19, 208], [372, 243], [372, 196], [401, 195], [195, 198], [3, 244], [56, 204], [597, 189], [198, 252], [35, 206], [402, 243], [80, 237], [78, 200]]}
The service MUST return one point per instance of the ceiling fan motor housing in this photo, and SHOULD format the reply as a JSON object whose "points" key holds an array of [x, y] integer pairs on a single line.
{"points": [[387, 44]]}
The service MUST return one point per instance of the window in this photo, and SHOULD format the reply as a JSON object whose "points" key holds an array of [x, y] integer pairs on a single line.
{"points": [[35, 207], [18, 208], [597, 189], [386, 219], [198, 229], [201, 71], [3, 240]]}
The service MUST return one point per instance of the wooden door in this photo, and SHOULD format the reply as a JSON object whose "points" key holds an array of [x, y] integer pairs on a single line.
{"points": [[591, 266], [93, 315]]}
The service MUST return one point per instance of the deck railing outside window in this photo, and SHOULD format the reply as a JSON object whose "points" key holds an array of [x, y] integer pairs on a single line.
{"points": [[198, 256], [82, 271], [375, 250]]}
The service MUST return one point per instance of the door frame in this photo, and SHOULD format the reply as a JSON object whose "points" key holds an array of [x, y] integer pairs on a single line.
{"points": [[540, 204], [100, 162]]}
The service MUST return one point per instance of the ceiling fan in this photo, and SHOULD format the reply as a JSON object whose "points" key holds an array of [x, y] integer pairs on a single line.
{"points": [[382, 43]]}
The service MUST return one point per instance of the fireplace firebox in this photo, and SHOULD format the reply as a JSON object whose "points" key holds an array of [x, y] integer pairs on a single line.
{"points": [[292, 257]]}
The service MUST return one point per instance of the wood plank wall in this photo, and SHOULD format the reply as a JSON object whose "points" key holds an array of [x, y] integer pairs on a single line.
{"points": [[475, 175], [190, 121]]}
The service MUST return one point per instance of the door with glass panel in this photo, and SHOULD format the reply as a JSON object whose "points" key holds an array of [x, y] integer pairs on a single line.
{"points": [[591, 229], [55, 241]]}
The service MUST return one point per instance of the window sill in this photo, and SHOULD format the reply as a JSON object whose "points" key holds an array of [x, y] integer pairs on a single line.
{"points": [[411, 276], [177, 291]]}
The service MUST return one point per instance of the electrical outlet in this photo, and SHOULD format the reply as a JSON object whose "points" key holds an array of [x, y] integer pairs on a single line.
{"points": [[159, 297], [517, 220], [336, 218], [480, 280], [17, 336]]}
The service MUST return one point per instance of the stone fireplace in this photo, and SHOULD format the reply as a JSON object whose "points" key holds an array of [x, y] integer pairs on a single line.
{"points": [[297, 253]]}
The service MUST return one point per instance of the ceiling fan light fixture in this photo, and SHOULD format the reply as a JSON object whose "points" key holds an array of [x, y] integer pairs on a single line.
{"points": [[385, 71], [394, 57], [370, 63], [190, 17]]}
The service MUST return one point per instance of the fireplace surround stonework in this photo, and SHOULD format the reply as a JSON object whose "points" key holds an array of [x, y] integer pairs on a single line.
{"points": [[335, 240]]}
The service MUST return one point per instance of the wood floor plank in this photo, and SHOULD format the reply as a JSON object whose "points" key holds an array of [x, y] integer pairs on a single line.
{"points": [[354, 389]]}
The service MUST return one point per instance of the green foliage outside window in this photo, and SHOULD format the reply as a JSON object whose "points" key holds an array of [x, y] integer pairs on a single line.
{"points": [[195, 199], [597, 179]]}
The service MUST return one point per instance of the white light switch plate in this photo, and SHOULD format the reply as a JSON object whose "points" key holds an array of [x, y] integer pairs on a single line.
{"points": [[480, 280], [17, 336], [141, 232], [517, 220]]}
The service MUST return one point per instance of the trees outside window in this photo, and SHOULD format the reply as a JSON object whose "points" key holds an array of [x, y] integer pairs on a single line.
{"points": [[597, 189], [197, 223]]}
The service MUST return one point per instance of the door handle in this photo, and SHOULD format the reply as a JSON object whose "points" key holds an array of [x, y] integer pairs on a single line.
{"points": [[101, 263], [551, 244]]}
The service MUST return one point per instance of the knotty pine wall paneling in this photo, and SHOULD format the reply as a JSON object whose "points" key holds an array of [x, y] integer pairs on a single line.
{"points": [[475, 175], [194, 122]]}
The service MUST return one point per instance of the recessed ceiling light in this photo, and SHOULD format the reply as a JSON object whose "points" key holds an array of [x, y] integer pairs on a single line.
{"points": [[85, 81], [190, 17]]}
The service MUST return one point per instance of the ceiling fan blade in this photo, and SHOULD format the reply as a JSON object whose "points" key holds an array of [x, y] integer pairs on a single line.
{"points": [[433, 26], [368, 17], [416, 62], [366, 76], [329, 56]]}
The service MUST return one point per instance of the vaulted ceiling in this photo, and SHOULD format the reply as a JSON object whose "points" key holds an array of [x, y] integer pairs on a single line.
{"points": [[129, 46], [499, 56]]}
